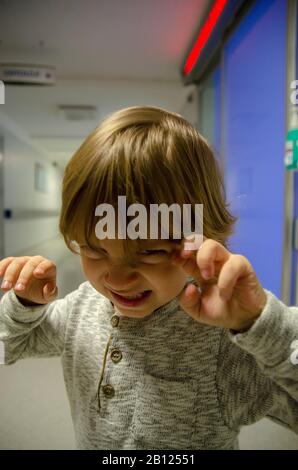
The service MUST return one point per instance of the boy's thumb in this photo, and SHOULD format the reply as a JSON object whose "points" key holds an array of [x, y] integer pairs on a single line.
{"points": [[50, 290], [190, 300]]}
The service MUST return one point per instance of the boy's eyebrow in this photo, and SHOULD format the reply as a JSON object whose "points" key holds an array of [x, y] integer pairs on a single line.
{"points": [[143, 244], [160, 243]]}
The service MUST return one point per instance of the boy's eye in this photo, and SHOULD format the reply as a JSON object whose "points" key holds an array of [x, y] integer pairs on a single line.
{"points": [[153, 255], [145, 255], [153, 252]]}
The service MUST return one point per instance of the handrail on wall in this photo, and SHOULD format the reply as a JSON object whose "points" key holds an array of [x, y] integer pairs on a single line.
{"points": [[23, 214]]}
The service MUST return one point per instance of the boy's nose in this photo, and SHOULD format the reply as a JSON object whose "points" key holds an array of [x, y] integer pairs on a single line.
{"points": [[120, 277]]}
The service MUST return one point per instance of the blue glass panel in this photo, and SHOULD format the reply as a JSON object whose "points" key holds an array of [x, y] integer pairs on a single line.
{"points": [[217, 111], [254, 134]]}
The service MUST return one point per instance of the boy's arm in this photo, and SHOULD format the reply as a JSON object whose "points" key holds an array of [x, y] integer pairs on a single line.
{"points": [[258, 369], [32, 331]]}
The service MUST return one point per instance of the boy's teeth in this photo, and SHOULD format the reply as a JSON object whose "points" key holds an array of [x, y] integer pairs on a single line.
{"points": [[133, 296]]}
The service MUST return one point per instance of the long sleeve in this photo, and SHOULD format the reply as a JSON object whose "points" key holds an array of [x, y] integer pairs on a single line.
{"points": [[258, 369], [37, 331]]}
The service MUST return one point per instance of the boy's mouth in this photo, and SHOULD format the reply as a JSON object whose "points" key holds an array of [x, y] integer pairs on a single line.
{"points": [[132, 300]]}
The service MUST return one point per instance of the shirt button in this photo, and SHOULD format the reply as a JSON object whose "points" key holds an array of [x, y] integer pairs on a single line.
{"points": [[116, 355], [115, 320], [108, 391]]}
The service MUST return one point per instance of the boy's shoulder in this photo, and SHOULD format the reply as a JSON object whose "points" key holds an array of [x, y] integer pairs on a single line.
{"points": [[84, 304]]}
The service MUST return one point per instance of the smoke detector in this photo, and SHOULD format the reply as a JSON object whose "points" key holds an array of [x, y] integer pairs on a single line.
{"points": [[80, 112], [27, 74]]}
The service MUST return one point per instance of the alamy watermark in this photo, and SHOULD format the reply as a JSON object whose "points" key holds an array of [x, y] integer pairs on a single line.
{"points": [[138, 227], [2, 93]]}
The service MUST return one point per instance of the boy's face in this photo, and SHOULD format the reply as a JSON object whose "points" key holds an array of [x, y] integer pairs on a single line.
{"points": [[150, 275]]}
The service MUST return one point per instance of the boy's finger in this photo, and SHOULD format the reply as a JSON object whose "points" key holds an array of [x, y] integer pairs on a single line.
{"points": [[47, 269], [236, 267], [12, 271], [4, 264], [189, 265], [211, 255]]}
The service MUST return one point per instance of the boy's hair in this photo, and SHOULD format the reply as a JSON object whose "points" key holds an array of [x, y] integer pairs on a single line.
{"points": [[151, 156]]}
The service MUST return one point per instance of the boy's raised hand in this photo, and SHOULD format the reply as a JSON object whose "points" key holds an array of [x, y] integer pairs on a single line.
{"points": [[230, 294], [33, 278]]}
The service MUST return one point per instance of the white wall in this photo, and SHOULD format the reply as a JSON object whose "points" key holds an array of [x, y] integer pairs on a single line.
{"points": [[20, 194], [35, 109], [189, 107]]}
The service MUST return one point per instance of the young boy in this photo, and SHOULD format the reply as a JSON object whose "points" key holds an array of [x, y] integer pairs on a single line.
{"points": [[150, 360]]}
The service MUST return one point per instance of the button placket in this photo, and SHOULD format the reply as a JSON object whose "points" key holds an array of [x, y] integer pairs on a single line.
{"points": [[116, 355], [115, 321], [102, 372], [108, 390]]}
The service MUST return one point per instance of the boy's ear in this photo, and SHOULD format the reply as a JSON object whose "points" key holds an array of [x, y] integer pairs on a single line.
{"points": [[75, 246]]}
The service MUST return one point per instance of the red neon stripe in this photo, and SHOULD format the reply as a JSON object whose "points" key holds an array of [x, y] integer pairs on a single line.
{"points": [[204, 35]]}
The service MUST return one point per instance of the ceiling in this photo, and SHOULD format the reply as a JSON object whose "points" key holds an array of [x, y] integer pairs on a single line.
{"points": [[108, 53], [87, 39]]}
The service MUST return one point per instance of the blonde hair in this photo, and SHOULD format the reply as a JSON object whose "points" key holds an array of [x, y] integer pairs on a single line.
{"points": [[151, 156]]}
